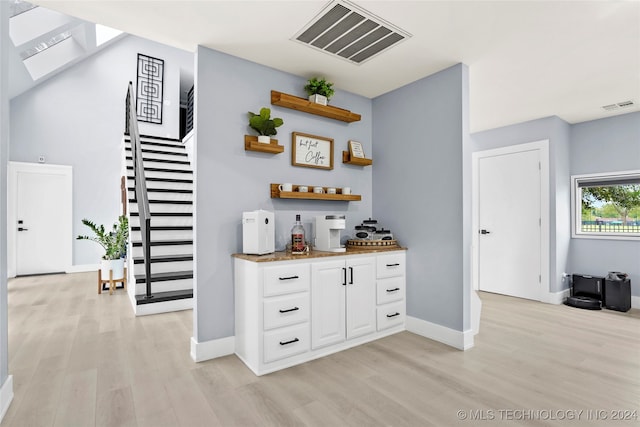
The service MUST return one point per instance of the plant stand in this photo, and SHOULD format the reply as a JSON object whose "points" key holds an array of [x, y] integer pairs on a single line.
{"points": [[111, 281]]}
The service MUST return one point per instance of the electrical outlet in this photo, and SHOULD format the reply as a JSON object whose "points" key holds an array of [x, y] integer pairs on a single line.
{"points": [[40, 159]]}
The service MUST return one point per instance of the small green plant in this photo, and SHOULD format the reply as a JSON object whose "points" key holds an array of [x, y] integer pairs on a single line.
{"points": [[316, 86], [114, 242], [263, 124]]}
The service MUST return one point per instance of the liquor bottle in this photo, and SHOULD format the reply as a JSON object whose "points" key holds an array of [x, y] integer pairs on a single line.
{"points": [[297, 236]]}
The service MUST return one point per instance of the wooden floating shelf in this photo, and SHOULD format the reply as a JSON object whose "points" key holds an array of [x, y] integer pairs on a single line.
{"points": [[301, 104], [251, 144], [346, 158], [295, 194]]}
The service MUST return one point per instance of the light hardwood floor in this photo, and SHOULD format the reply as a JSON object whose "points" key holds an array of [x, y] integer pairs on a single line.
{"points": [[82, 359]]}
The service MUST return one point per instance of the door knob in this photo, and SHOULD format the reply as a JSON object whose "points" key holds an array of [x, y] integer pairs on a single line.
{"points": [[483, 231], [22, 229]]}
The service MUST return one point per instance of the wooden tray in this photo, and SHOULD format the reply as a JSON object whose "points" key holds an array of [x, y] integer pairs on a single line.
{"points": [[373, 244]]}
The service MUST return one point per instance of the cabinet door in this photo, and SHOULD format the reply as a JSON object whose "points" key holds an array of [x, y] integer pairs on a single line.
{"points": [[327, 303], [361, 297]]}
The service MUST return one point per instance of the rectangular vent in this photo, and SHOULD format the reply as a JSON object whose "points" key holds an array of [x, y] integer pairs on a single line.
{"points": [[613, 107], [349, 32]]}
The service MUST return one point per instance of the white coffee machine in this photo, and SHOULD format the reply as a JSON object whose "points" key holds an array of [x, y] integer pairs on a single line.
{"points": [[326, 233], [258, 232]]}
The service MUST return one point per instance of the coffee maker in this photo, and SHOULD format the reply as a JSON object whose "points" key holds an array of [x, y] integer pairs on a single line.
{"points": [[326, 233]]}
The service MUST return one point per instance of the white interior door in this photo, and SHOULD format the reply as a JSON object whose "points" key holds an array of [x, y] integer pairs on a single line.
{"points": [[41, 218], [509, 220]]}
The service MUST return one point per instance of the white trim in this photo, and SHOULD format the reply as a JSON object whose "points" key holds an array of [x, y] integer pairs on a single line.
{"points": [[6, 396], [83, 268], [457, 339], [543, 147], [201, 351], [635, 302], [557, 297], [160, 307], [12, 198], [576, 215]]}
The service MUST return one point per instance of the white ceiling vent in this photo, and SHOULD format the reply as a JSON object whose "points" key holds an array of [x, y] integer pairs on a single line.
{"points": [[349, 32], [613, 107]]}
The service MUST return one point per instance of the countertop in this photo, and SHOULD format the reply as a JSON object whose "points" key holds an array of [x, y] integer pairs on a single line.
{"points": [[288, 256]]}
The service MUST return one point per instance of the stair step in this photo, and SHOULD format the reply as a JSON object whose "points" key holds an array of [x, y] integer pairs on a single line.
{"points": [[150, 151], [160, 214], [155, 179], [164, 296], [165, 227], [168, 202], [138, 243], [164, 190], [176, 162], [164, 258], [155, 140], [163, 277], [150, 169]]}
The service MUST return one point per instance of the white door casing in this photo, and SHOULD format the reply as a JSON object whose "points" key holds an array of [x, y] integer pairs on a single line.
{"points": [[40, 196], [511, 202]]}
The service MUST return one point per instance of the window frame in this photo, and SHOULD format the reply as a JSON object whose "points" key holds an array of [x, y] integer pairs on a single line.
{"points": [[576, 205]]}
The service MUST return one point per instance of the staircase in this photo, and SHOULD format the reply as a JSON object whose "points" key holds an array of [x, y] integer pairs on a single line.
{"points": [[169, 181]]}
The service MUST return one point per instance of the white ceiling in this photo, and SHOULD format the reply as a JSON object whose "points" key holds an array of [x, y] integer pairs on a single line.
{"points": [[527, 59]]}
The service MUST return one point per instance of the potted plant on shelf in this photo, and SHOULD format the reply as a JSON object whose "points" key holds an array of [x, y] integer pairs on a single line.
{"points": [[264, 125], [114, 243], [319, 90]]}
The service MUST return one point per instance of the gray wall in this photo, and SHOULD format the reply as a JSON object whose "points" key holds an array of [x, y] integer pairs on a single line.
{"points": [[557, 132], [4, 157], [419, 183], [77, 118], [230, 180], [606, 145]]}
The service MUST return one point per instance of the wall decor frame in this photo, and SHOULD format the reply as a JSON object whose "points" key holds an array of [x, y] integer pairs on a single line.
{"points": [[311, 151], [150, 89], [356, 149]]}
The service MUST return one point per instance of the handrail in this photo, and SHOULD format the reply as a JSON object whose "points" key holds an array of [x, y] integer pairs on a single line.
{"points": [[131, 128]]}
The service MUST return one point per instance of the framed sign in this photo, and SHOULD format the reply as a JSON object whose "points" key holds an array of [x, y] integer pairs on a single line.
{"points": [[356, 150], [311, 151]]}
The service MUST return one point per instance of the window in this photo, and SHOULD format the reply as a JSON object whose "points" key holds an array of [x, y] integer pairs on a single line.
{"points": [[606, 206]]}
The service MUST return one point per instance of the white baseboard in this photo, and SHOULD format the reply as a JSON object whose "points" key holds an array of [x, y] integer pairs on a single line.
{"points": [[6, 396], [162, 307], [83, 268], [448, 336], [635, 302], [556, 297], [201, 351]]}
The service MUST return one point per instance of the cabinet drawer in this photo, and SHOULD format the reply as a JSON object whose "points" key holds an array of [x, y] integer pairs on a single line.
{"points": [[391, 289], [286, 342], [286, 310], [286, 279], [390, 265], [391, 315]]}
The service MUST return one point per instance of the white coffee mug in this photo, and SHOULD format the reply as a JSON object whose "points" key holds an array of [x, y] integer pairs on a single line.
{"points": [[331, 190], [318, 190], [285, 187], [346, 190], [303, 188]]}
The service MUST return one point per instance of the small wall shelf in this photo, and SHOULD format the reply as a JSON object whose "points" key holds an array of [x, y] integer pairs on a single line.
{"points": [[301, 104], [295, 194], [346, 158], [251, 144]]}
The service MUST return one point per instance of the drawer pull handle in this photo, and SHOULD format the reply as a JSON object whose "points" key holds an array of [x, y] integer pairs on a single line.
{"points": [[393, 290], [393, 265], [289, 310], [289, 342], [391, 315], [289, 278]]}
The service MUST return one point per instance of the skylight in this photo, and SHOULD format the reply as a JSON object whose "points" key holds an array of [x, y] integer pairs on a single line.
{"points": [[104, 34], [42, 46]]}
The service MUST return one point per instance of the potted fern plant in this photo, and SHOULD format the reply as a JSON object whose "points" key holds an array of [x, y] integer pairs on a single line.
{"points": [[319, 90], [113, 242], [264, 124]]}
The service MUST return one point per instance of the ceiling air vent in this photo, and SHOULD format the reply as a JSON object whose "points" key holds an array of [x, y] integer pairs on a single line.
{"points": [[349, 32], [613, 107]]}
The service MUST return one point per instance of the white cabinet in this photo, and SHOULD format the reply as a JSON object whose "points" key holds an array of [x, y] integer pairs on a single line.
{"points": [[291, 311], [343, 294]]}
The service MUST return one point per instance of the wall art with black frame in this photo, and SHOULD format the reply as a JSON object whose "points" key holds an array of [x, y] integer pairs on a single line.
{"points": [[150, 89]]}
